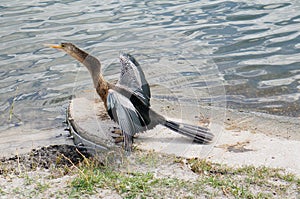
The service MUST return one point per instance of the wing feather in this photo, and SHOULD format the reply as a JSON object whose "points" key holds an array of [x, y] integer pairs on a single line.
{"points": [[133, 78], [124, 113]]}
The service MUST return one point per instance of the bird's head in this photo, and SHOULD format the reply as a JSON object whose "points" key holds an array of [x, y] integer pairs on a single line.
{"points": [[70, 49], [91, 63]]}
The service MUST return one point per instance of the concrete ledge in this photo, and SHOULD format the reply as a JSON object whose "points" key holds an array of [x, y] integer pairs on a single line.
{"points": [[241, 138], [233, 146]]}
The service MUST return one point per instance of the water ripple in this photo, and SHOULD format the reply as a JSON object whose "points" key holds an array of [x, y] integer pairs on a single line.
{"points": [[255, 45]]}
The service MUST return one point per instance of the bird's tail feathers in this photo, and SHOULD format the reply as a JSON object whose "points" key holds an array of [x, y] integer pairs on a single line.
{"points": [[199, 134]]}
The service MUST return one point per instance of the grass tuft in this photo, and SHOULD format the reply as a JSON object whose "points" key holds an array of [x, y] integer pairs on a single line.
{"points": [[213, 180], [142, 175]]}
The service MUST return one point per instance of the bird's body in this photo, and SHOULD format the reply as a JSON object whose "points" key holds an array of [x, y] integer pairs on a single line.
{"points": [[128, 101]]}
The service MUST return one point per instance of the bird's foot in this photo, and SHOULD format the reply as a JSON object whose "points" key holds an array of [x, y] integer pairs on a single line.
{"points": [[117, 135], [119, 139], [117, 131]]}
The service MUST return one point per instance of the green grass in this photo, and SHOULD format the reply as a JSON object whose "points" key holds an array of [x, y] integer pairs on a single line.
{"points": [[27, 180], [241, 182], [95, 175], [149, 159], [148, 175], [213, 180], [41, 187], [2, 192]]}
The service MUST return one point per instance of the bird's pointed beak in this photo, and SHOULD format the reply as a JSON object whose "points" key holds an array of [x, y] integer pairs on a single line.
{"points": [[57, 46]]}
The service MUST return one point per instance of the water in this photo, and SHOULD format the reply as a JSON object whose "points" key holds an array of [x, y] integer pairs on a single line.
{"points": [[250, 48]]}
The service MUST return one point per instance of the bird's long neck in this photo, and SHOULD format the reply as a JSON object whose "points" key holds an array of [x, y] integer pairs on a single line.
{"points": [[91, 63], [94, 67], [102, 89]]}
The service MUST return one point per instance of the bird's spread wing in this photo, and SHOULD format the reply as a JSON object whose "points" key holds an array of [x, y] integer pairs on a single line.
{"points": [[124, 113], [133, 78]]}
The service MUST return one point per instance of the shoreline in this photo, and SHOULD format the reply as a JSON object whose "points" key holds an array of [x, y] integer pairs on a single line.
{"points": [[54, 170], [270, 125], [241, 132], [244, 139]]}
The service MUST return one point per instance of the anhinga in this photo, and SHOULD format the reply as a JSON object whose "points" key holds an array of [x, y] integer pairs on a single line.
{"points": [[128, 101]]}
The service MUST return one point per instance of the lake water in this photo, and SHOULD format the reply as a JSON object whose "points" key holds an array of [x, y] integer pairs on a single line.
{"points": [[191, 51]]}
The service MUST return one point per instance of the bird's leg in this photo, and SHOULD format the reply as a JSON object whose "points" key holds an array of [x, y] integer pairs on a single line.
{"points": [[128, 141]]}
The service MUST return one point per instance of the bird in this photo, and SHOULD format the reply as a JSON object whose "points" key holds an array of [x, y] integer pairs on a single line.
{"points": [[127, 102]]}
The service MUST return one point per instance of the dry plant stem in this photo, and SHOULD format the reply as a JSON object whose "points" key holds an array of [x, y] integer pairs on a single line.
{"points": [[11, 109], [85, 159], [19, 165], [75, 166]]}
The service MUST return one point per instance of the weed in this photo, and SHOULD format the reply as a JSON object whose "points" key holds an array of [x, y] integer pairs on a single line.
{"points": [[41, 187], [143, 176], [2, 192], [214, 180], [28, 180], [149, 159]]}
